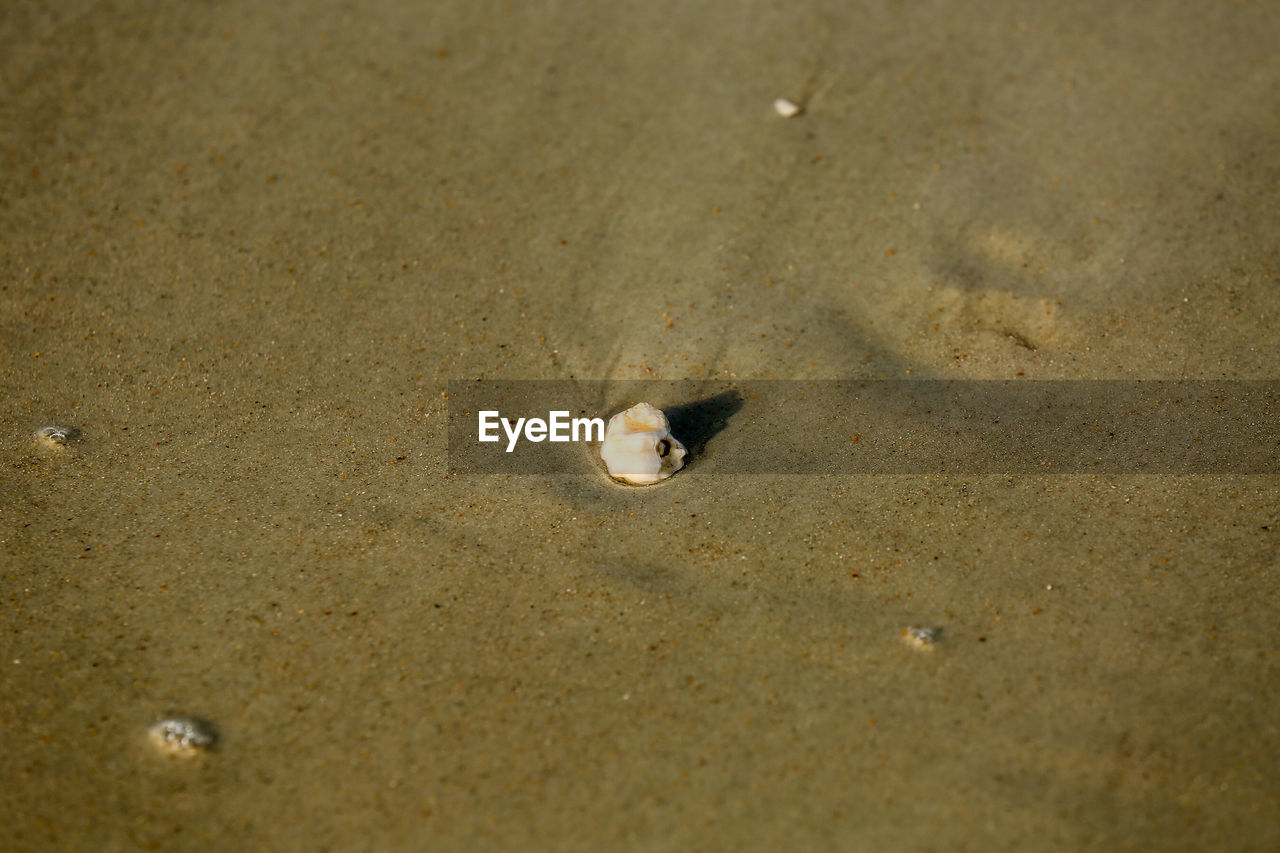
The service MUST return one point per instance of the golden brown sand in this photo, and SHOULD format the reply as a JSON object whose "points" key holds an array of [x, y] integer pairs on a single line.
{"points": [[244, 247]]}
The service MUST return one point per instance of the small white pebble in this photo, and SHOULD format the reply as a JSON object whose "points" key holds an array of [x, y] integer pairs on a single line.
{"points": [[921, 637], [182, 736], [55, 436], [786, 108]]}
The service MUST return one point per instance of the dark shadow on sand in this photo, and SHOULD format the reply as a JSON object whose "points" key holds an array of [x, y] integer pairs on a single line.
{"points": [[695, 424]]}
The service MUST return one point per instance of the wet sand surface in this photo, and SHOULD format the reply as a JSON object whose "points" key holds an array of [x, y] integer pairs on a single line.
{"points": [[244, 247]]}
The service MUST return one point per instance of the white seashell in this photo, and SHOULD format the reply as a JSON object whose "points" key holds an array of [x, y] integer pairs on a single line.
{"points": [[638, 447], [922, 637], [786, 108], [55, 436], [182, 736]]}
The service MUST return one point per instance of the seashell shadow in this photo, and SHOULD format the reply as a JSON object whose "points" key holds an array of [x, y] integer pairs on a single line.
{"points": [[695, 424]]}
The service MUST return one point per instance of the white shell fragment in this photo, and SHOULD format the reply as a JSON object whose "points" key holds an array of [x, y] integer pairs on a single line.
{"points": [[55, 436], [638, 446], [922, 637], [786, 108], [182, 736]]}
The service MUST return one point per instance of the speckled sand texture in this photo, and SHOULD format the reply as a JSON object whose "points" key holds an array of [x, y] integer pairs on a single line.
{"points": [[244, 246]]}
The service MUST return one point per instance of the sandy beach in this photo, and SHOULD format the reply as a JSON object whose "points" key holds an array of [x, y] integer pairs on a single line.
{"points": [[245, 248]]}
